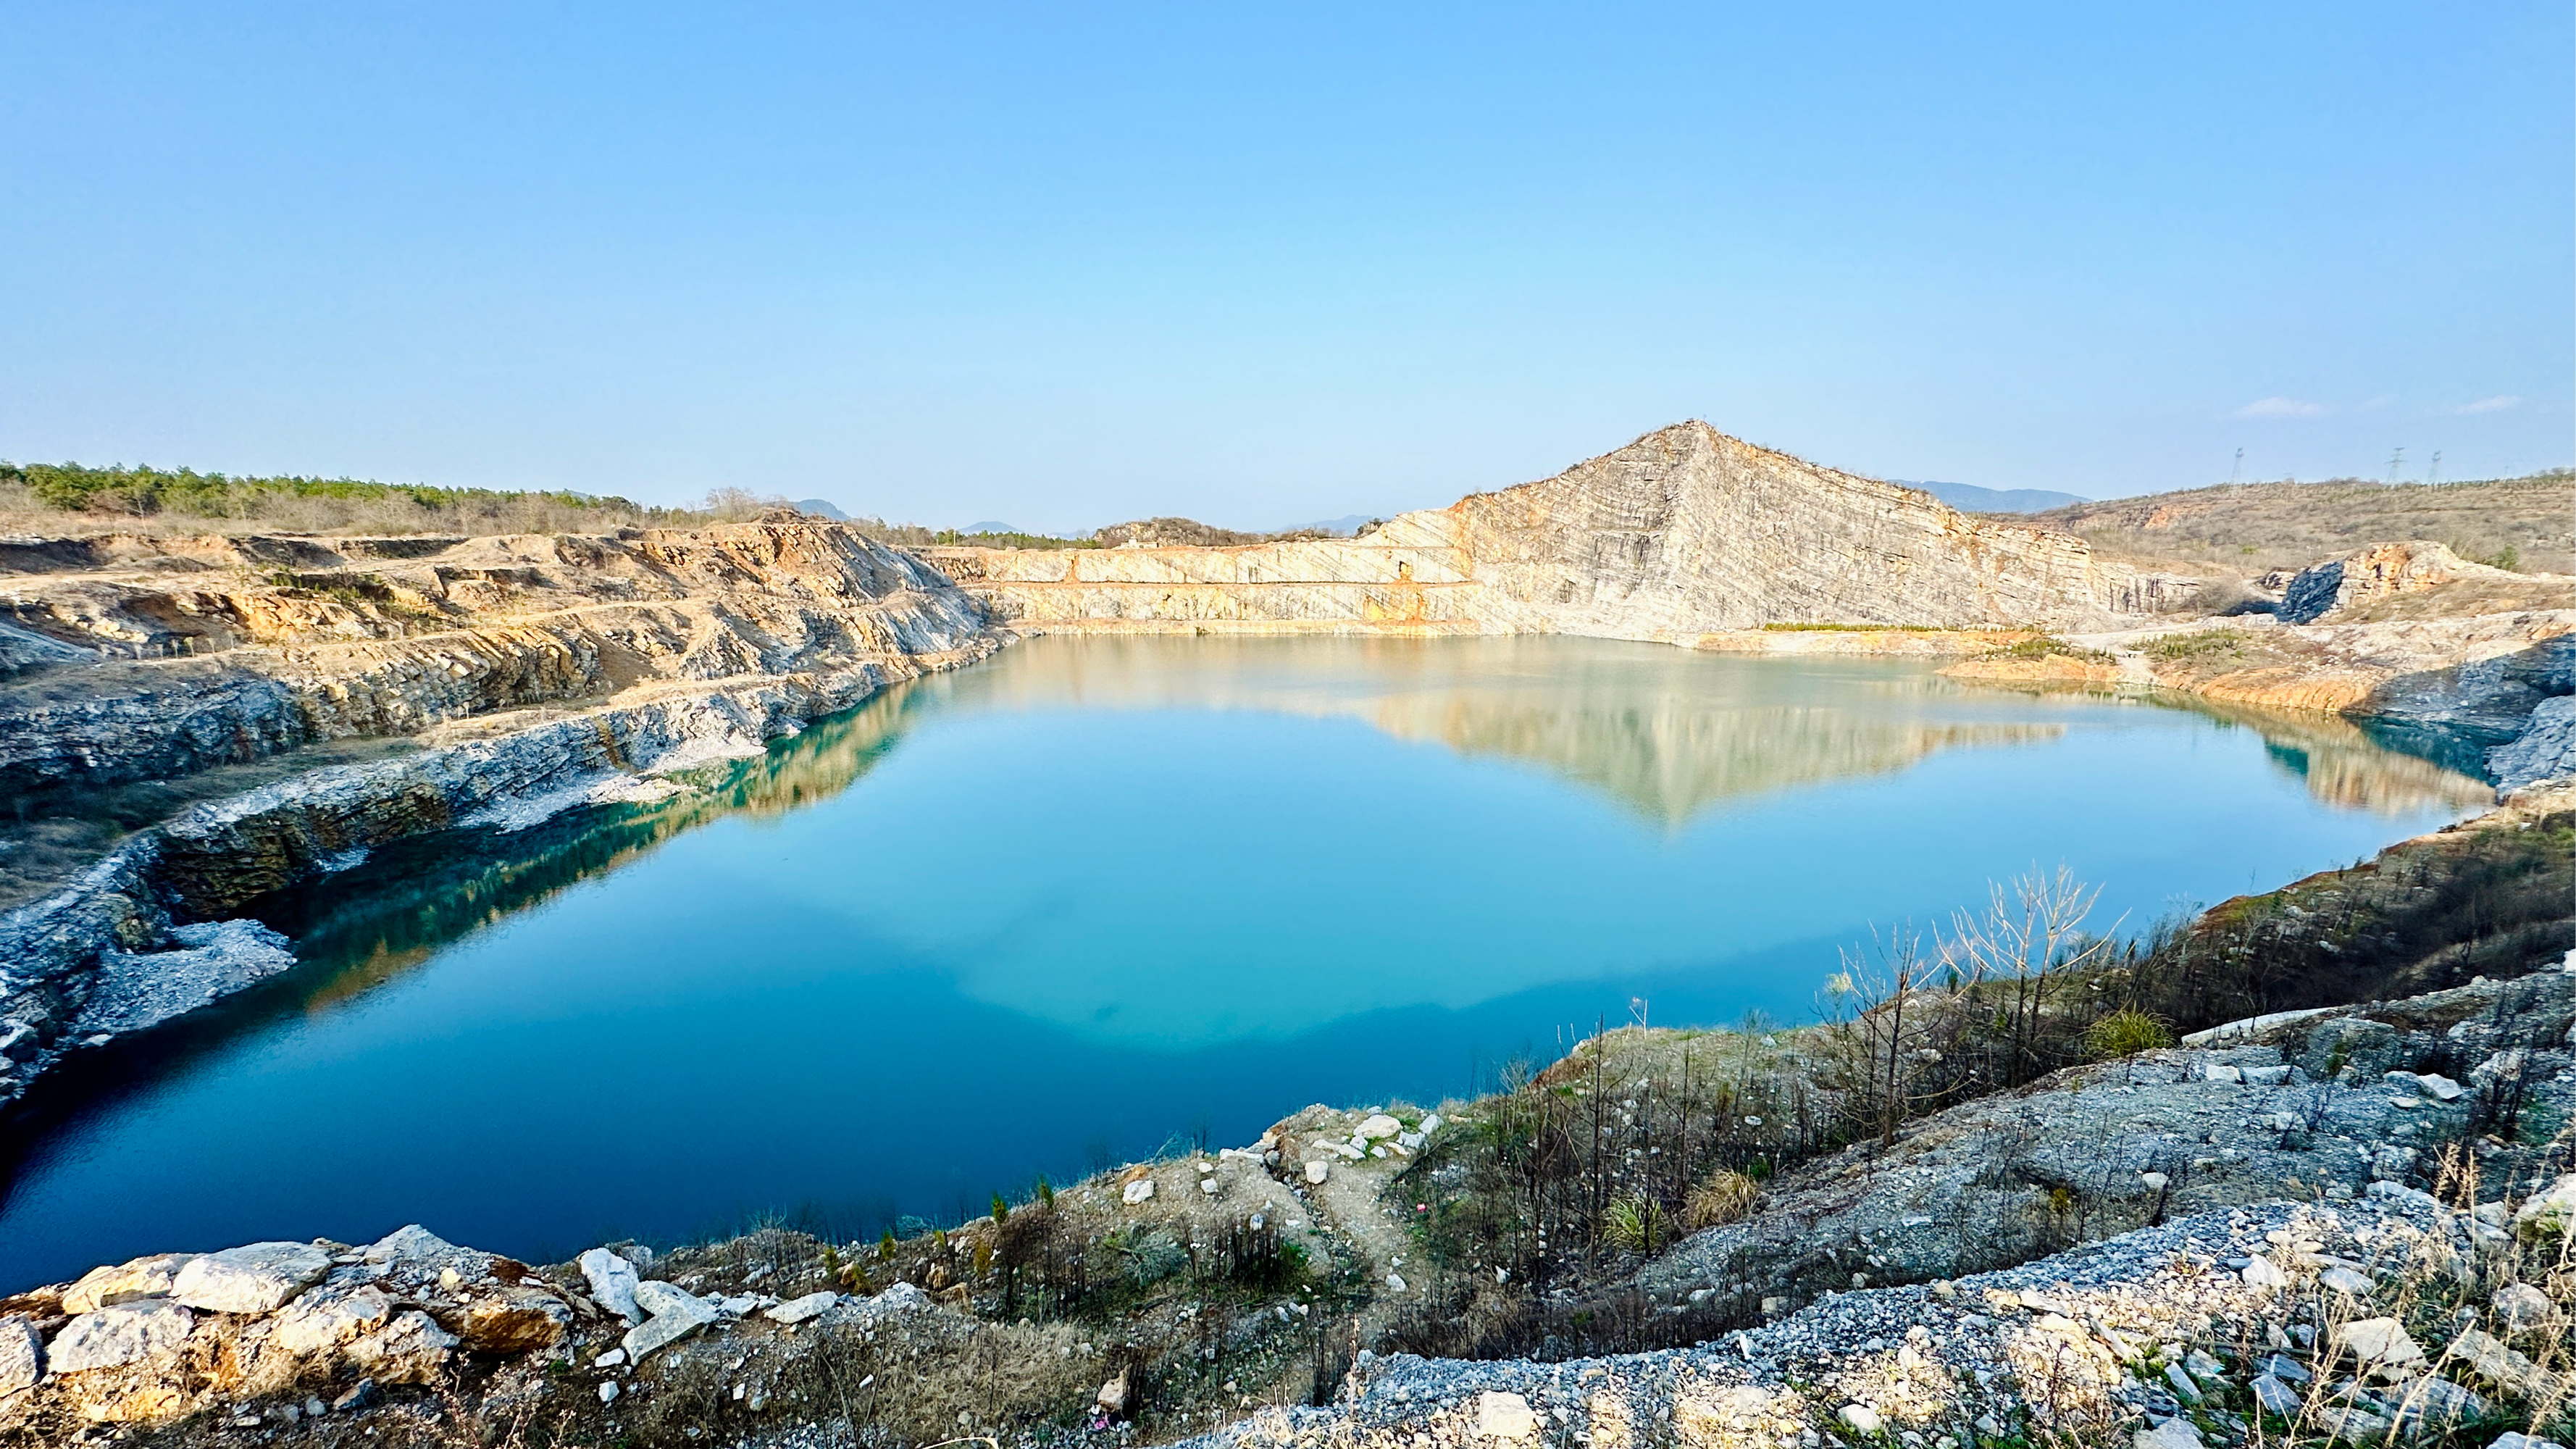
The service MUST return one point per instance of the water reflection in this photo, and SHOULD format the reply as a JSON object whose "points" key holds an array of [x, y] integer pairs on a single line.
{"points": [[1094, 889], [1665, 733]]}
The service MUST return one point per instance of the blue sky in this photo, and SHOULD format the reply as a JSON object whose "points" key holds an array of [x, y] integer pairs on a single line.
{"points": [[1260, 264]]}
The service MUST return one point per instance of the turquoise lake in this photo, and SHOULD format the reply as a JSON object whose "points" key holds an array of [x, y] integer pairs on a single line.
{"points": [[1094, 897]]}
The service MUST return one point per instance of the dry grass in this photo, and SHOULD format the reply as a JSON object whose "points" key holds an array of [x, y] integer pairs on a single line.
{"points": [[2256, 527]]}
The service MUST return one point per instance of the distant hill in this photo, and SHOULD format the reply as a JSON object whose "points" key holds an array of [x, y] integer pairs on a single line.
{"points": [[821, 508], [1342, 527], [1969, 498], [2517, 523], [991, 526]]}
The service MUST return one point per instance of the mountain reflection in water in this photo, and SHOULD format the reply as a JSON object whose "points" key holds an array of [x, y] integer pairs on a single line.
{"points": [[1664, 732]]}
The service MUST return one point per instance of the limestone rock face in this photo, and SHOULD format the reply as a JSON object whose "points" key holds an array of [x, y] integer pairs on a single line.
{"points": [[197, 661], [2348, 586], [1684, 532]]}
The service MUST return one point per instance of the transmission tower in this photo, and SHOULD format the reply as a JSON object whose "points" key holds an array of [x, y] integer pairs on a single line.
{"points": [[2395, 461], [2238, 468], [2434, 473]]}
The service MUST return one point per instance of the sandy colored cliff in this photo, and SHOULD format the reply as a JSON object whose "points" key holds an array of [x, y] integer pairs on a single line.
{"points": [[1685, 531]]}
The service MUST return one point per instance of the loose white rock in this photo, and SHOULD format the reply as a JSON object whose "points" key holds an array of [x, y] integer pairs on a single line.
{"points": [[2260, 1272], [612, 1283], [1379, 1127], [1141, 1190], [1507, 1418], [676, 1315], [2381, 1342], [608, 1391], [124, 1283], [797, 1310], [254, 1278], [2174, 1433], [1316, 1172], [1861, 1418]]}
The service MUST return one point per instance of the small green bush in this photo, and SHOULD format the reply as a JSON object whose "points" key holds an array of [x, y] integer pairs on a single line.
{"points": [[2048, 646], [2199, 644], [2125, 1033], [1637, 1223]]}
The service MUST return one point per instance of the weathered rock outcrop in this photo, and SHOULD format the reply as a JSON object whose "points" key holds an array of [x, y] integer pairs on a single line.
{"points": [[200, 662], [538, 672], [1683, 532]]}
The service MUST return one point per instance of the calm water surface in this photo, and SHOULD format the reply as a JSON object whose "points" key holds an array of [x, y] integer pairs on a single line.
{"points": [[1059, 909]]}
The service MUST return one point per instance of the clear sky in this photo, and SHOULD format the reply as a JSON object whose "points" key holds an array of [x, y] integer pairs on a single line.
{"points": [[1058, 265]]}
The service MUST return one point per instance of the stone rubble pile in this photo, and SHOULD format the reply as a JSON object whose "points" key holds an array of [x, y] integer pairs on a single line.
{"points": [[2181, 1336], [316, 1328]]}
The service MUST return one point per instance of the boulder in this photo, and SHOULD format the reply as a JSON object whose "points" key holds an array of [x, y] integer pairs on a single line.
{"points": [[2521, 1307], [676, 1315], [512, 1318], [2275, 1397], [412, 1349], [1316, 1172], [1379, 1127], [415, 1254], [123, 1334], [656, 1297], [612, 1282], [329, 1318], [2174, 1433], [2550, 1211], [1141, 1190], [797, 1310], [22, 1355], [1861, 1419], [2487, 1356], [2261, 1272], [124, 1283], [2436, 1405], [255, 1278]]}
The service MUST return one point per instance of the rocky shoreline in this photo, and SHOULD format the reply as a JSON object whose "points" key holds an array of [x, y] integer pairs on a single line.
{"points": [[2311, 1237], [147, 933]]}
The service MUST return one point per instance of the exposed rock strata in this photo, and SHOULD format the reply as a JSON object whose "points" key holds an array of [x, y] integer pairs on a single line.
{"points": [[1685, 531]]}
